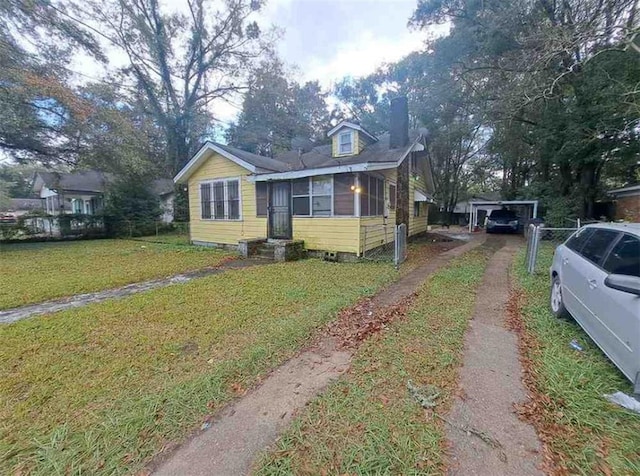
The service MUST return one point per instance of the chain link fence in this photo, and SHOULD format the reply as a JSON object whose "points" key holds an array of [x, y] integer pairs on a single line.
{"points": [[541, 243], [38, 227], [384, 243], [65, 227]]}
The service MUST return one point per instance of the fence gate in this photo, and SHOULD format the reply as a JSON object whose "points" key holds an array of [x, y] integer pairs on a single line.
{"points": [[385, 243], [400, 249], [542, 241]]}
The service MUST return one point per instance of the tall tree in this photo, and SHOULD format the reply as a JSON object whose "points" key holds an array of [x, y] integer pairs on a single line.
{"points": [[40, 111], [276, 110], [560, 84], [182, 63]]}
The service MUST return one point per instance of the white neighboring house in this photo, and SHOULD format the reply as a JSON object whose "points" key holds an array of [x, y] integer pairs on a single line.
{"points": [[462, 210], [165, 190], [83, 193], [21, 206]]}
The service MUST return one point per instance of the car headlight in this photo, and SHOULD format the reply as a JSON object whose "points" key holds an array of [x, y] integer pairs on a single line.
{"points": [[513, 223], [491, 222]]}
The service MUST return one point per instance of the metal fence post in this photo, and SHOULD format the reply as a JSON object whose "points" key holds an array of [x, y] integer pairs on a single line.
{"points": [[534, 249], [527, 258]]}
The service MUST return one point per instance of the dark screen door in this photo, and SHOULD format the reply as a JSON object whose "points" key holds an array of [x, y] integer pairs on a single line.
{"points": [[280, 211]]}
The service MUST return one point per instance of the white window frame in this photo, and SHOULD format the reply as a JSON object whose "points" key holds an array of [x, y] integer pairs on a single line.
{"points": [[319, 195], [351, 136], [225, 181], [77, 206], [310, 196]]}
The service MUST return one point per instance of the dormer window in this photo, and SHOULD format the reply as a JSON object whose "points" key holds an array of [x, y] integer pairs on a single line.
{"points": [[345, 143]]}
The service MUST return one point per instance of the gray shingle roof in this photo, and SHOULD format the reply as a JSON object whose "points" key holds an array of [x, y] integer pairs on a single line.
{"points": [[320, 156], [265, 164], [87, 181], [23, 204], [94, 181]]}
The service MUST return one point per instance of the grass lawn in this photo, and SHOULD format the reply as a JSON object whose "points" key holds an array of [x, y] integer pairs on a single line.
{"points": [[35, 272], [100, 389], [168, 238], [367, 422], [583, 432]]}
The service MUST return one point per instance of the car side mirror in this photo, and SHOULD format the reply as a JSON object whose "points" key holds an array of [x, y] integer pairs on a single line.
{"points": [[624, 283]]}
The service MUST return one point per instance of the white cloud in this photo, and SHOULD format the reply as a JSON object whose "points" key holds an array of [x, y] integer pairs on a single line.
{"points": [[363, 56]]}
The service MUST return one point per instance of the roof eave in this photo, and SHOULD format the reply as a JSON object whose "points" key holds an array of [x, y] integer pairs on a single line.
{"points": [[201, 155], [351, 125], [632, 188], [311, 172]]}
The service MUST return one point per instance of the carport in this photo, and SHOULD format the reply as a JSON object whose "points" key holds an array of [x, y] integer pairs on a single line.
{"points": [[528, 209]]}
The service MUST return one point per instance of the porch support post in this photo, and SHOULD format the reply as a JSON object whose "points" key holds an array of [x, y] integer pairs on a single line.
{"points": [[356, 196]]}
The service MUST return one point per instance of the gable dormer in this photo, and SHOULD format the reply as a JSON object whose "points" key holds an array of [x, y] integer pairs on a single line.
{"points": [[348, 139]]}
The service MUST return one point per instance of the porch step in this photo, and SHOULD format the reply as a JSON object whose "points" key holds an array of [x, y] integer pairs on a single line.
{"points": [[266, 252]]}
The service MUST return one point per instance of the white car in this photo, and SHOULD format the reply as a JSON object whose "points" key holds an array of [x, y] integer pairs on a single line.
{"points": [[595, 277]]}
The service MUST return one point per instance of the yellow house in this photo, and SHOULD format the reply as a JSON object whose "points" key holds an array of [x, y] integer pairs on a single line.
{"points": [[343, 197]]}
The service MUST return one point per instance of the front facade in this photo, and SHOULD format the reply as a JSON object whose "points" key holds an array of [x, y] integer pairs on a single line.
{"points": [[344, 197]]}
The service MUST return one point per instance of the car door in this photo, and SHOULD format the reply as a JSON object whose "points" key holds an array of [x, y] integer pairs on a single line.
{"points": [[569, 269], [620, 311], [587, 279]]}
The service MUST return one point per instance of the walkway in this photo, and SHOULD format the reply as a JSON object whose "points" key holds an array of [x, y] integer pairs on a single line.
{"points": [[79, 300], [248, 426], [487, 436]]}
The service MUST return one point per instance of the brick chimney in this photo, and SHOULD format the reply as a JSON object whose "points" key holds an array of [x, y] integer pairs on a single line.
{"points": [[399, 123]]}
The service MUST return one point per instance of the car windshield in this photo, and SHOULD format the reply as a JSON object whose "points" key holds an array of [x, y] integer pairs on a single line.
{"points": [[503, 215]]}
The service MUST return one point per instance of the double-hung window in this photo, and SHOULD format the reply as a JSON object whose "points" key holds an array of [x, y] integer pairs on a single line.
{"points": [[321, 195], [345, 143], [220, 200], [313, 196], [76, 204]]}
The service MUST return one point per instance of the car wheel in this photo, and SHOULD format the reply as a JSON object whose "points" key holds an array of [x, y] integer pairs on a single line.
{"points": [[557, 305]]}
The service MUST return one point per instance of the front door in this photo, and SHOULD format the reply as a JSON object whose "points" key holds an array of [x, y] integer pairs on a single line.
{"points": [[280, 210]]}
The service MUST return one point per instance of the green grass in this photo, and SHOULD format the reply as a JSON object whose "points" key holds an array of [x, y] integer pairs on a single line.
{"points": [[584, 433], [35, 272], [100, 389], [367, 423], [168, 238]]}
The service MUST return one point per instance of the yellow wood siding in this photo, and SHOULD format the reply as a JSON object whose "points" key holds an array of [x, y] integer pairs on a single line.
{"points": [[221, 231], [360, 142], [376, 231], [417, 224], [357, 141], [344, 234], [327, 233]]}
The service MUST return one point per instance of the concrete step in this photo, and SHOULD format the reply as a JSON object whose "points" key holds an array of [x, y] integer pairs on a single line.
{"points": [[266, 252]]}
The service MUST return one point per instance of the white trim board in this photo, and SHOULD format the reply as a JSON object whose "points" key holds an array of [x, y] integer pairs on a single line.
{"points": [[338, 169], [353, 126], [201, 155]]}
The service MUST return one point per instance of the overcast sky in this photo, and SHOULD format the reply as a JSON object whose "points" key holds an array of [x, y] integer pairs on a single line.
{"points": [[330, 39]]}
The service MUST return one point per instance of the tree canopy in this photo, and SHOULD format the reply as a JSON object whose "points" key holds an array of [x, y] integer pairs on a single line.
{"points": [[277, 110], [537, 99]]}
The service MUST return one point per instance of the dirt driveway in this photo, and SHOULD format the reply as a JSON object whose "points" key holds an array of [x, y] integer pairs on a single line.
{"points": [[486, 435], [252, 423]]}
